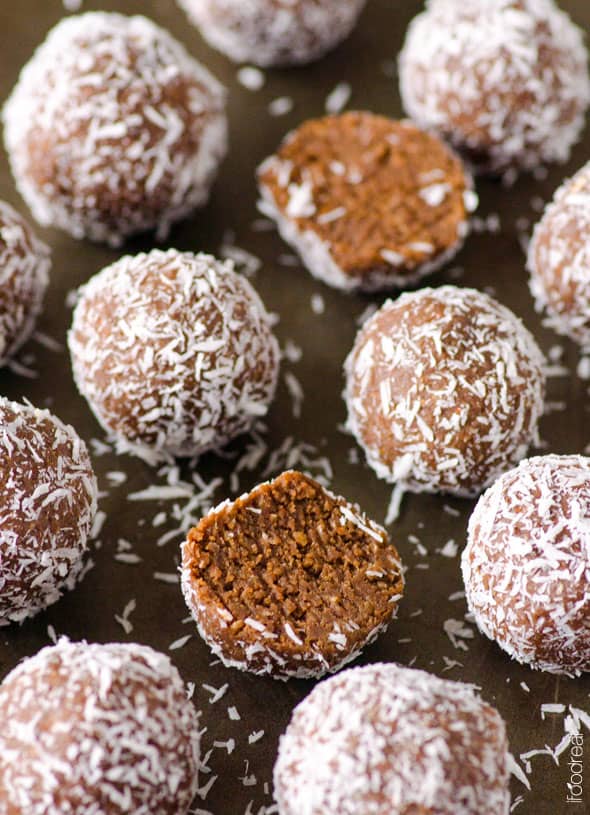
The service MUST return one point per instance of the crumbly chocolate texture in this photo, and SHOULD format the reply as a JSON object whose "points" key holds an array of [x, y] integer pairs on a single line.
{"points": [[274, 32], [505, 81], [369, 203], [444, 389], [24, 275], [290, 580], [174, 353], [99, 730], [559, 259], [48, 502], [526, 565], [113, 129], [389, 740]]}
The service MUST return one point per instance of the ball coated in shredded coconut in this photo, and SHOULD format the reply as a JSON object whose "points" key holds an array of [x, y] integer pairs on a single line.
{"points": [[113, 129], [506, 81], [559, 259], [99, 730], [444, 389], [526, 565], [24, 276], [274, 32], [47, 507], [388, 740], [174, 353]]}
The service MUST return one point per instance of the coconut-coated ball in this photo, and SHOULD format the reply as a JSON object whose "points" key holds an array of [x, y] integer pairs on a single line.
{"points": [[113, 129], [174, 353], [526, 566], [388, 740], [48, 501], [506, 81], [99, 730], [444, 389]]}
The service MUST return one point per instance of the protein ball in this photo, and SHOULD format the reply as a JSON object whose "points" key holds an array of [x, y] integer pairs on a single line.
{"points": [[274, 32], [559, 259], [290, 580], [444, 389], [97, 729], [526, 565], [505, 81], [174, 353], [113, 129], [369, 203], [24, 275], [47, 508], [388, 740]]}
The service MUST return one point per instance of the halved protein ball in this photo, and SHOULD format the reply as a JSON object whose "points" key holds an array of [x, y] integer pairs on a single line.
{"points": [[290, 580], [389, 740]]}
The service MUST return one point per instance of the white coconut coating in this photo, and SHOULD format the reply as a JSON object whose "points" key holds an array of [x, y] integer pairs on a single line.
{"points": [[24, 275], [174, 353], [113, 129], [99, 730], [388, 740], [47, 508], [526, 565], [504, 80], [274, 32], [559, 259], [444, 389]]}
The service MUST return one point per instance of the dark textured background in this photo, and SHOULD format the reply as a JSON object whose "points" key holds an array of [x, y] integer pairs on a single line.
{"points": [[488, 260]]}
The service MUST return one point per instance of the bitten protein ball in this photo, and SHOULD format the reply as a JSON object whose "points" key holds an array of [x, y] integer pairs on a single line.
{"points": [[368, 203], [559, 259], [113, 129], [174, 353], [388, 740], [444, 389], [99, 730], [290, 580], [47, 506], [526, 565], [24, 275], [505, 81], [274, 32]]}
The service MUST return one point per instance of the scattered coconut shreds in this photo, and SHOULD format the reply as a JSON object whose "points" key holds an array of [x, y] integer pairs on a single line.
{"points": [[215, 694], [525, 687], [246, 263], [233, 714], [251, 78], [295, 392], [583, 369], [339, 98], [292, 352], [116, 477], [51, 633], [98, 523], [517, 771], [19, 369], [161, 493], [552, 708], [318, 304], [167, 577], [129, 558], [229, 745], [47, 342], [450, 549], [451, 663], [457, 632], [123, 619], [256, 736], [180, 642], [451, 510], [72, 5], [281, 106]]}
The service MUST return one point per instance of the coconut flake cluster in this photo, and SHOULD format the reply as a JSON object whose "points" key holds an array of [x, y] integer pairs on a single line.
{"points": [[24, 275], [174, 353], [559, 259], [388, 740], [526, 566], [47, 508], [506, 81], [97, 729], [444, 389], [113, 129], [274, 32]]}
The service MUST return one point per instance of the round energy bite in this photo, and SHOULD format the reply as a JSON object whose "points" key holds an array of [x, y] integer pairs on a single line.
{"points": [[389, 740], [368, 203], [444, 389], [24, 275], [559, 259], [505, 81], [274, 32], [290, 580], [98, 729], [174, 353], [526, 565], [48, 504], [113, 129]]}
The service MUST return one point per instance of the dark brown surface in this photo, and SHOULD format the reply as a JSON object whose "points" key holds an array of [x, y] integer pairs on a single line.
{"points": [[488, 260]]}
